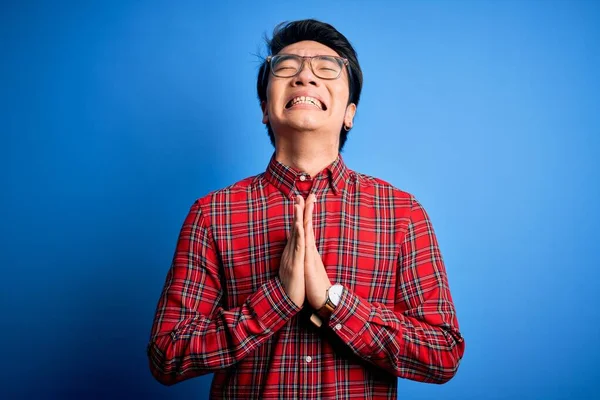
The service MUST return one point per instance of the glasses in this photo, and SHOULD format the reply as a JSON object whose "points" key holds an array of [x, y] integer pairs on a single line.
{"points": [[289, 65]]}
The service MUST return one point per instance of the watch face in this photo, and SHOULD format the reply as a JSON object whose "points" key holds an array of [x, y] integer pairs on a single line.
{"points": [[335, 294]]}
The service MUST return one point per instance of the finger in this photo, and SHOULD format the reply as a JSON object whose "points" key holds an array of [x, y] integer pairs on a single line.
{"points": [[307, 208], [299, 210], [300, 241], [298, 216], [308, 221], [300, 201], [309, 236], [298, 228], [299, 222]]}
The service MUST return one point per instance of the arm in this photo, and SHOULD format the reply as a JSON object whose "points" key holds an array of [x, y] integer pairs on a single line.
{"points": [[419, 339], [192, 333]]}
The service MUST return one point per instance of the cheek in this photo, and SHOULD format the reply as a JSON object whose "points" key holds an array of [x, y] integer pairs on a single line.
{"points": [[341, 94], [341, 100], [274, 90]]}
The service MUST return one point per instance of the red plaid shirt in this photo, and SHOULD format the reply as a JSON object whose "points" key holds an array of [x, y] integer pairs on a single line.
{"points": [[224, 310]]}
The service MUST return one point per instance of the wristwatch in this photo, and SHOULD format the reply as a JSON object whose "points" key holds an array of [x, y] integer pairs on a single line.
{"points": [[334, 295]]}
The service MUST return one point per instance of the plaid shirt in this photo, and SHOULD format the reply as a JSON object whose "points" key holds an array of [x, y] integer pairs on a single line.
{"points": [[223, 308]]}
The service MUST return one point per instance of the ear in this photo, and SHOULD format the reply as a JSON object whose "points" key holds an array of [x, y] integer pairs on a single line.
{"points": [[265, 111], [349, 115]]}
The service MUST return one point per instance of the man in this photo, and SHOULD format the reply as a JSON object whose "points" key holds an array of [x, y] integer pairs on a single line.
{"points": [[309, 280]]}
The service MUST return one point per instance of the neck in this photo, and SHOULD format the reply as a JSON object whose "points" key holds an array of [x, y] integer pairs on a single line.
{"points": [[305, 153]]}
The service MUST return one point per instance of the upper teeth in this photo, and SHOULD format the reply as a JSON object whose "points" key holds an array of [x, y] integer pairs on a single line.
{"points": [[306, 100]]}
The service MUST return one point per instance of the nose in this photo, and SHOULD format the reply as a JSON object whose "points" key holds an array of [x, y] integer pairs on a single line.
{"points": [[305, 76]]}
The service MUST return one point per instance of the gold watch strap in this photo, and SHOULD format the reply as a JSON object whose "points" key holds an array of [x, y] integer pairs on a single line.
{"points": [[322, 313], [327, 308], [316, 320]]}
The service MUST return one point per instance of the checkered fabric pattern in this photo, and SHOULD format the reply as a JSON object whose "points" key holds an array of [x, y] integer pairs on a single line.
{"points": [[223, 309]]}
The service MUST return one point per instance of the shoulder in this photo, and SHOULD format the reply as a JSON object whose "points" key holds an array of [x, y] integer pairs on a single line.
{"points": [[229, 195], [382, 188], [382, 194]]}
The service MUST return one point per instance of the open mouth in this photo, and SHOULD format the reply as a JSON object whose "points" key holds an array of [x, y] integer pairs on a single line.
{"points": [[306, 100]]}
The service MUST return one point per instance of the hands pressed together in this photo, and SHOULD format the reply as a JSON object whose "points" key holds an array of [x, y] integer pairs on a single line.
{"points": [[301, 269]]}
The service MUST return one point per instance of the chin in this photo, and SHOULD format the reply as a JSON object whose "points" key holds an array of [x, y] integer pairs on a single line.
{"points": [[304, 123]]}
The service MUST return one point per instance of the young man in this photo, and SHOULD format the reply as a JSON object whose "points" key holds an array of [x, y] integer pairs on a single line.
{"points": [[309, 280]]}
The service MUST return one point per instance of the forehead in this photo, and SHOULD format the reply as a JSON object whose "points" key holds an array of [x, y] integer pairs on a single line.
{"points": [[308, 48]]}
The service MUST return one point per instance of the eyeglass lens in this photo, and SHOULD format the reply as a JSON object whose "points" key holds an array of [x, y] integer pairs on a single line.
{"points": [[325, 67]]}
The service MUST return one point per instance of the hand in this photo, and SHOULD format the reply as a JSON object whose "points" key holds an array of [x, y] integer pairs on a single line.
{"points": [[315, 276], [291, 268]]}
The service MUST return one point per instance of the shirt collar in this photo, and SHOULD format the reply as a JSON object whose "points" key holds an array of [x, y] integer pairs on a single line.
{"points": [[283, 177]]}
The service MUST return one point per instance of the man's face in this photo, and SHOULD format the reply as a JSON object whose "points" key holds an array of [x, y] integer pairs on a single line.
{"points": [[331, 109]]}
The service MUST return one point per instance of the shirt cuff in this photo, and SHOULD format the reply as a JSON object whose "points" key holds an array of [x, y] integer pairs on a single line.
{"points": [[351, 317], [272, 306]]}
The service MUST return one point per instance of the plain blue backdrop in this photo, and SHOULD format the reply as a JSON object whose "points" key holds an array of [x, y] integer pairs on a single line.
{"points": [[116, 116]]}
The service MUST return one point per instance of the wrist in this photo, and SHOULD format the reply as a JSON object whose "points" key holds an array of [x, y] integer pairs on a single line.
{"points": [[333, 296], [321, 301]]}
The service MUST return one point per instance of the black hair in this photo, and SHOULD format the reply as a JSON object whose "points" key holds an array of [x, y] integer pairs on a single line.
{"points": [[287, 33]]}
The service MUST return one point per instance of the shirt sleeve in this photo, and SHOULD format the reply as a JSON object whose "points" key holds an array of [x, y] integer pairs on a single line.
{"points": [[419, 338], [192, 333]]}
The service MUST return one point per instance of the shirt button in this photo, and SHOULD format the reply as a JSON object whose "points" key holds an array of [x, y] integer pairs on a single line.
{"points": [[302, 178], [338, 327], [308, 359]]}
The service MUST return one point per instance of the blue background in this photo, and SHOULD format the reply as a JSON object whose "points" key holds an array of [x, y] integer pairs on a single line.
{"points": [[116, 116]]}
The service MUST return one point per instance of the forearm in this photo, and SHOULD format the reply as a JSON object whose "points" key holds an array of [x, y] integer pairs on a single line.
{"points": [[427, 349], [186, 343]]}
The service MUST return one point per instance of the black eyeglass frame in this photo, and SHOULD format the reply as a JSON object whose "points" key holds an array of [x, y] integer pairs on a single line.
{"points": [[344, 62]]}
